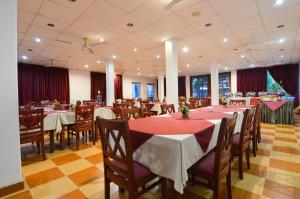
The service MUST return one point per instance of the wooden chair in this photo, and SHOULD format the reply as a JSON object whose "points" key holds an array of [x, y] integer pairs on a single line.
{"points": [[238, 102], [204, 102], [32, 128], [84, 122], [118, 107], [146, 109], [194, 103], [130, 102], [131, 113], [255, 131], [241, 141], [167, 108], [119, 166], [216, 166]]}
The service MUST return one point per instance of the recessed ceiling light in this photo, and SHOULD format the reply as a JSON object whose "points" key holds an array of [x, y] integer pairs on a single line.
{"points": [[29, 49], [50, 25], [282, 49], [242, 56], [188, 65], [179, 71], [38, 40], [226, 68], [225, 40], [130, 24], [135, 49], [278, 2], [280, 26], [24, 57], [185, 49], [196, 13], [281, 56], [208, 25], [235, 49], [200, 56], [139, 74], [157, 56], [252, 65], [72, 1], [101, 40], [86, 65], [114, 57], [151, 75], [138, 69], [281, 40], [98, 62]]}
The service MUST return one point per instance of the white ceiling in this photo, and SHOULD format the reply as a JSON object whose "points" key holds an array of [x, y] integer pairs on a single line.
{"points": [[249, 25]]}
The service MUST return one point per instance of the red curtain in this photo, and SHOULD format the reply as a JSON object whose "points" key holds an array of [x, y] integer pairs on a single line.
{"points": [[118, 87], [289, 75], [36, 83], [181, 86], [98, 82], [252, 80]]}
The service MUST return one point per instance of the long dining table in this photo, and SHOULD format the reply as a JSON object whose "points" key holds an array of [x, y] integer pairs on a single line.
{"points": [[169, 145]]}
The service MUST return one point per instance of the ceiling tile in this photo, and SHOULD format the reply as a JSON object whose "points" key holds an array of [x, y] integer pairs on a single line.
{"points": [[41, 21], [25, 16], [266, 6], [29, 5], [127, 5], [227, 5], [90, 24], [79, 5], [169, 23]]}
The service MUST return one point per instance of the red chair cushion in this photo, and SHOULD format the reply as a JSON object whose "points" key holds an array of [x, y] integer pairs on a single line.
{"points": [[205, 167], [139, 170], [236, 139]]}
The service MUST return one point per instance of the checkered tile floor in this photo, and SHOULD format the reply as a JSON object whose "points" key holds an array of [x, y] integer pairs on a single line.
{"points": [[274, 173]]}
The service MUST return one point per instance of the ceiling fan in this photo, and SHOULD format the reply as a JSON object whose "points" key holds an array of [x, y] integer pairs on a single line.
{"points": [[172, 3]]}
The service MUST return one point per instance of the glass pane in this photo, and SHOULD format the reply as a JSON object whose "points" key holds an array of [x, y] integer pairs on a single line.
{"points": [[200, 86], [224, 84], [136, 88], [150, 91]]}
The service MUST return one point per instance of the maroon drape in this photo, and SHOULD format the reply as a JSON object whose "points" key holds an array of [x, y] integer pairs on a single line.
{"points": [[36, 83], [59, 84], [98, 82], [254, 79], [181, 86], [118, 87], [289, 75]]}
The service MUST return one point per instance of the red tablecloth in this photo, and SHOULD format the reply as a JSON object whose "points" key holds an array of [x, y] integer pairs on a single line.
{"points": [[201, 115], [254, 101], [143, 129], [275, 105]]}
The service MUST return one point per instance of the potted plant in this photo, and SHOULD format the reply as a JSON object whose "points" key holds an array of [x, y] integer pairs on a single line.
{"points": [[224, 101], [185, 111]]}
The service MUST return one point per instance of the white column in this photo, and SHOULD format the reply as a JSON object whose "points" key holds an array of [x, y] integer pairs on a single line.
{"points": [[214, 72], [187, 87], [110, 83], [10, 166], [171, 57], [233, 82], [160, 86]]}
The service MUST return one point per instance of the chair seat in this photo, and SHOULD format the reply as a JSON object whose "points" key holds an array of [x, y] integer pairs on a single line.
{"points": [[236, 139], [139, 171], [205, 167]]}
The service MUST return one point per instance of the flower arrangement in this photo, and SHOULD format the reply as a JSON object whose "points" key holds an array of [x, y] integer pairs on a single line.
{"points": [[185, 111], [223, 101]]}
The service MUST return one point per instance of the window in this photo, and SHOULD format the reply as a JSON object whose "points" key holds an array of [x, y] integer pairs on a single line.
{"points": [[200, 86], [224, 83], [150, 91], [136, 90]]}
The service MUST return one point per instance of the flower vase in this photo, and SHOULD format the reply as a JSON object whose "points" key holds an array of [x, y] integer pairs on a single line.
{"points": [[185, 115]]}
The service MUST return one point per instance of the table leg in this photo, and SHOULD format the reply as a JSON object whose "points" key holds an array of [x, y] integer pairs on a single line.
{"points": [[62, 138], [51, 134]]}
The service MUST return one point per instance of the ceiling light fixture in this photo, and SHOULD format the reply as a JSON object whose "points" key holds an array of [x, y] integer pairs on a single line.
{"points": [[242, 56], [185, 49], [218, 65], [101, 40], [50, 25], [196, 13], [226, 68], [139, 74], [281, 56], [38, 40], [188, 65], [208, 25], [98, 62], [278, 2], [179, 71], [114, 57], [135, 49], [29, 49], [130, 24], [24, 57], [225, 40], [282, 49], [138, 69], [252, 65], [86, 65], [280, 26], [235, 49], [281, 40], [157, 56]]}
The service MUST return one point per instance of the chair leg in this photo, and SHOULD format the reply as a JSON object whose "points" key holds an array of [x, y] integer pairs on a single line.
{"points": [[38, 146], [241, 164], [43, 148], [254, 140], [164, 188], [121, 190], [94, 137], [107, 189], [248, 157], [216, 190], [228, 183], [77, 140]]}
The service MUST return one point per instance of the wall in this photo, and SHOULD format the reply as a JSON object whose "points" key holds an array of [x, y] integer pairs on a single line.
{"points": [[233, 81], [80, 85], [127, 86], [10, 166]]}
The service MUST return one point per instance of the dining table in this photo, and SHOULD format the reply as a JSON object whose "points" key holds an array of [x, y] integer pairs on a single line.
{"points": [[169, 144]]}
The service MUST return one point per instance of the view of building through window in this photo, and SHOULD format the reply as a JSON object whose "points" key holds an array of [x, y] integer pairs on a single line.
{"points": [[150, 91], [136, 90]]}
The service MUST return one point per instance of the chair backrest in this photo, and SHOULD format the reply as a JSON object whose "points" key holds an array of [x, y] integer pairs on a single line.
{"points": [[239, 102], [121, 105], [257, 118], [84, 117], [78, 103], [131, 113], [239, 94], [167, 108], [262, 93], [145, 105], [228, 94], [204, 102], [247, 126], [117, 157], [224, 147], [31, 120], [194, 102], [250, 94]]}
